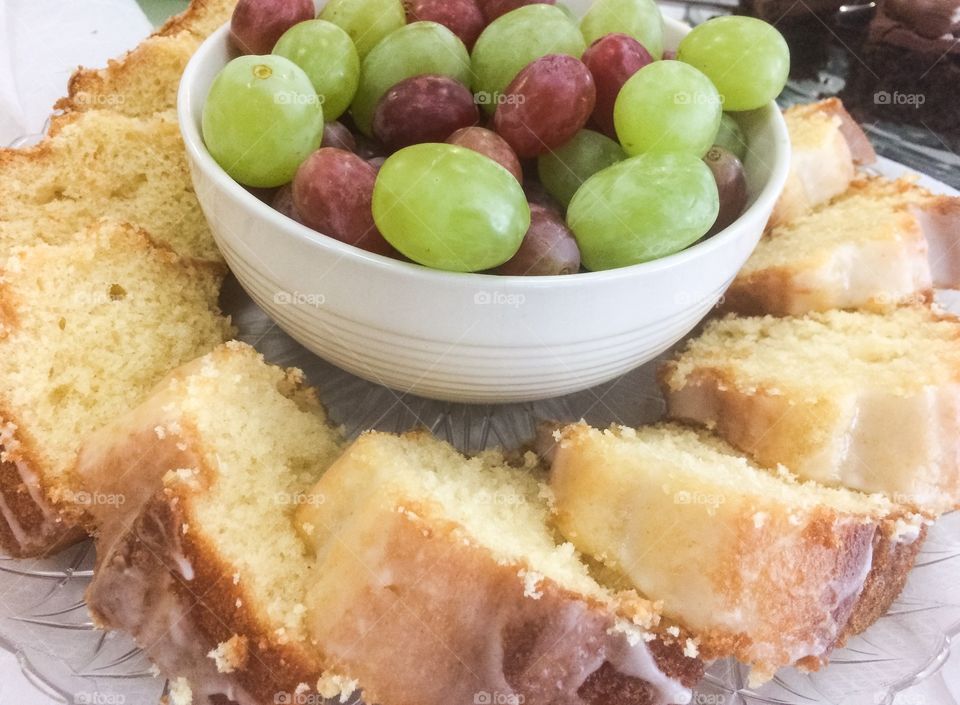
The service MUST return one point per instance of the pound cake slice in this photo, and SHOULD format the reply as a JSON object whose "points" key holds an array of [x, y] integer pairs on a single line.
{"points": [[201, 562], [881, 244], [758, 565], [438, 581], [146, 79], [854, 399], [827, 145], [103, 164], [87, 327]]}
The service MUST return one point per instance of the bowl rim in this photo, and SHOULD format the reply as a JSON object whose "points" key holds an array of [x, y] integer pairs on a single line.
{"points": [[203, 160]]}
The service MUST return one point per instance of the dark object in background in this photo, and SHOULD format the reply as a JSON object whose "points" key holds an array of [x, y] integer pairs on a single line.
{"points": [[910, 69], [894, 63]]}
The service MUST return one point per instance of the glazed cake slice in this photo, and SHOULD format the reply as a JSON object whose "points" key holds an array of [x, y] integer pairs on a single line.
{"points": [[103, 164], [758, 565], [879, 245], [438, 581], [146, 79], [87, 327], [827, 145], [200, 562], [854, 399]]}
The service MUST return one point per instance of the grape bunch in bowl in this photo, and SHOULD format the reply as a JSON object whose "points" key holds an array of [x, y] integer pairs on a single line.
{"points": [[495, 136]]}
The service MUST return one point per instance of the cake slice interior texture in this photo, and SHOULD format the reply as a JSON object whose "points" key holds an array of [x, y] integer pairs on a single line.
{"points": [[858, 399], [757, 564], [201, 562], [411, 538], [88, 327]]}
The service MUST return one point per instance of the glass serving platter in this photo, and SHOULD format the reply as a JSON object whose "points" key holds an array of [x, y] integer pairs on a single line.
{"points": [[45, 624]]}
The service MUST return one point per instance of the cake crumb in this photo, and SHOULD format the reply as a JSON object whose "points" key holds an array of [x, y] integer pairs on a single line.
{"points": [[759, 519], [160, 431], [531, 579], [673, 631], [180, 692], [230, 655], [332, 685], [236, 578], [690, 649]]}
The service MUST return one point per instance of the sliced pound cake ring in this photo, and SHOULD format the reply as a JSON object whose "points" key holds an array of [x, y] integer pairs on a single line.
{"points": [[853, 399], [103, 164], [438, 581], [756, 564], [88, 327], [201, 562], [827, 145], [880, 245]]}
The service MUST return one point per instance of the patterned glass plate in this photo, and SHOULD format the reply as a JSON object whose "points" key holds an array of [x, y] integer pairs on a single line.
{"points": [[44, 621]]}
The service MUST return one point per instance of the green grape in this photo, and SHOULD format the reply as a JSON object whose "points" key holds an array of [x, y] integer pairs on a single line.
{"points": [[327, 55], [747, 59], [641, 19], [414, 50], [563, 170], [642, 209], [366, 21], [731, 137], [449, 207], [262, 118], [667, 106], [516, 39]]}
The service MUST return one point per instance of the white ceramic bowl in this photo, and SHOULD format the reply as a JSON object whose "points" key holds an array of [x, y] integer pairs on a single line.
{"points": [[470, 337]]}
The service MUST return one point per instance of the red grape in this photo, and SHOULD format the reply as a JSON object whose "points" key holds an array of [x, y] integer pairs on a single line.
{"points": [[336, 134], [546, 105], [731, 183], [333, 193], [283, 203], [491, 145], [423, 109], [613, 59], [462, 17], [548, 247], [257, 24], [492, 9], [537, 193]]}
